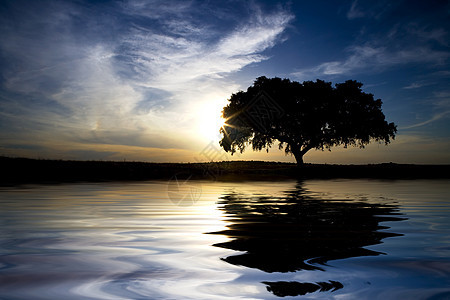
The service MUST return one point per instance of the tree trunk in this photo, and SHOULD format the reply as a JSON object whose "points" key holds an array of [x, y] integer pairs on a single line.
{"points": [[298, 156]]}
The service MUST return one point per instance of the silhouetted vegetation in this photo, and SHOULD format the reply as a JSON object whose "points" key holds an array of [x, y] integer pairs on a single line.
{"points": [[303, 116], [298, 232], [22, 170]]}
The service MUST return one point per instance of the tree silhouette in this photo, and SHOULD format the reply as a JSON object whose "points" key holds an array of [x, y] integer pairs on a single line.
{"points": [[303, 116]]}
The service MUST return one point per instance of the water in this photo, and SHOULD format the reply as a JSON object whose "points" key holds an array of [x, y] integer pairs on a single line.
{"points": [[326, 239]]}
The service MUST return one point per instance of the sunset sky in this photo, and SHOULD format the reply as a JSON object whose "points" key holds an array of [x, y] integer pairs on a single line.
{"points": [[146, 80]]}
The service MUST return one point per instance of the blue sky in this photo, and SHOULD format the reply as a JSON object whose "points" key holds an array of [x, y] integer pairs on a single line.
{"points": [[146, 80]]}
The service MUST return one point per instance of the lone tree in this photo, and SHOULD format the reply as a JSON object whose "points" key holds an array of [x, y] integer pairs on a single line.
{"points": [[303, 116]]}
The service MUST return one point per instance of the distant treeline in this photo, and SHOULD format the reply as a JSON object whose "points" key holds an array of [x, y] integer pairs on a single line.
{"points": [[24, 170]]}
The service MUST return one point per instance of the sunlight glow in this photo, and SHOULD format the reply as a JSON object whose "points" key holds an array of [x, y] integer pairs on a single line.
{"points": [[210, 119]]}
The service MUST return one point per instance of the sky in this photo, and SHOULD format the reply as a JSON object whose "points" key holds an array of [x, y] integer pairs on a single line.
{"points": [[146, 80]]}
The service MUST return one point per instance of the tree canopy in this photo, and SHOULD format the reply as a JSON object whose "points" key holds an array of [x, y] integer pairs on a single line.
{"points": [[303, 116]]}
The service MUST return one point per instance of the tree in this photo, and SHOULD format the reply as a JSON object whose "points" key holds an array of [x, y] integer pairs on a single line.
{"points": [[303, 116]]}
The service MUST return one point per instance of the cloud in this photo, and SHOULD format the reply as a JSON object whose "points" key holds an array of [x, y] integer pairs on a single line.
{"points": [[372, 58], [415, 85], [354, 11], [434, 118], [401, 45], [438, 35], [440, 103], [192, 68], [370, 9], [135, 73], [169, 61]]}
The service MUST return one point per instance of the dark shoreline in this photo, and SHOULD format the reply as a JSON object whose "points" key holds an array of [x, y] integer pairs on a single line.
{"points": [[24, 170]]}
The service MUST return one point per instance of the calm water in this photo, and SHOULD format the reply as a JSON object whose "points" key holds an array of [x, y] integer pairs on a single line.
{"points": [[329, 239]]}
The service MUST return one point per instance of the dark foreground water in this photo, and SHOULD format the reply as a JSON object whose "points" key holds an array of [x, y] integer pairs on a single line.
{"points": [[330, 239]]}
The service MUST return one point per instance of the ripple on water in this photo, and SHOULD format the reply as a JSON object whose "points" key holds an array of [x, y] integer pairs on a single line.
{"points": [[352, 239]]}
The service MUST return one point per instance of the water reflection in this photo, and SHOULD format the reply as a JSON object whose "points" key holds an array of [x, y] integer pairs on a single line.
{"points": [[299, 231], [294, 288], [107, 241]]}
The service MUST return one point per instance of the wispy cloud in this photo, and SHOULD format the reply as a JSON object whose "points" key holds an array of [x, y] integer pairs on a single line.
{"points": [[386, 51], [371, 58], [354, 11], [372, 10], [440, 102], [434, 118], [123, 79], [414, 85], [401, 45], [166, 61]]}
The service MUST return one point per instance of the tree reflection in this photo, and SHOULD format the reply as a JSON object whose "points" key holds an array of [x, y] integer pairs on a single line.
{"points": [[300, 231]]}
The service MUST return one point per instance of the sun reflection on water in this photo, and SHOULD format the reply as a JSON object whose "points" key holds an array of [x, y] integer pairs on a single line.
{"points": [[130, 241]]}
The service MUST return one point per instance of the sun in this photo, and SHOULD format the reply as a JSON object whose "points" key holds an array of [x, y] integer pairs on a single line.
{"points": [[210, 119]]}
